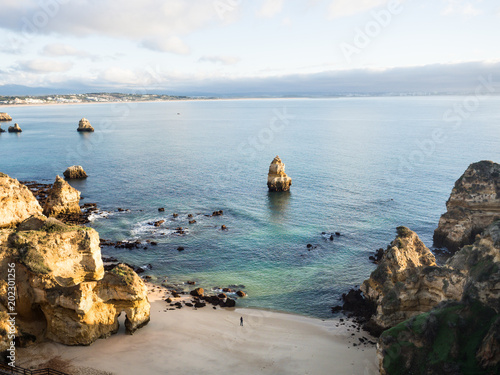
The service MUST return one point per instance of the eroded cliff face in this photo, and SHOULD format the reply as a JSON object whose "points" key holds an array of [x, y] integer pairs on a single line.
{"points": [[63, 292], [474, 204], [17, 203], [408, 282], [277, 179], [456, 337]]}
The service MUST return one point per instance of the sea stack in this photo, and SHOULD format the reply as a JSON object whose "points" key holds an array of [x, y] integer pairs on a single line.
{"points": [[5, 117], [277, 179], [15, 129], [473, 205], [75, 172], [2, 130], [63, 200], [84, 126]]}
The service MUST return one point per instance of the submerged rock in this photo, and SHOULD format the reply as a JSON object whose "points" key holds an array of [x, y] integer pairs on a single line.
{"points": [[75, 172], [15, 129], [5, 116], [84, 126], [277, 179], [474, 204], [63, 199]]}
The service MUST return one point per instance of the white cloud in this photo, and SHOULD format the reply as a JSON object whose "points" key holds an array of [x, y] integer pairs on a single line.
{"points": [[225, 60], [344, 8], [270, 8], [44, 66], [59, 49], [171, 44], [465, 7], [140, 21], [119, 75]]}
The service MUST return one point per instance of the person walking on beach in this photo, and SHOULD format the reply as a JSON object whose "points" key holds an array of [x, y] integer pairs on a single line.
{"points": [[241, 321]]}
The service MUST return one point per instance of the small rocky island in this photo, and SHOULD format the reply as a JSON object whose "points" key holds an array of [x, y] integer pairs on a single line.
{"points": [[5, 117], [277, 179], [15, 129], [75, 172], [64, 294], [84, 126]]}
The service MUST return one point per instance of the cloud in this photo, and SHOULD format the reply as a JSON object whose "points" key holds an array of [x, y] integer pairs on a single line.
{"points": [[125, 18], [44, 66], [225, 60], [171, 44], [270, 8], [344, 8], [463, 7], [59, 49]]}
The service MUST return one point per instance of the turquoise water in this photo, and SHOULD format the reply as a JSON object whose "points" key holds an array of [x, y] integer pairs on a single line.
{"points": [[360, 166]]}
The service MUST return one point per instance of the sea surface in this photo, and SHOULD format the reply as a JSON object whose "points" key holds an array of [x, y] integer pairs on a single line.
{"points": [[360, 166]]}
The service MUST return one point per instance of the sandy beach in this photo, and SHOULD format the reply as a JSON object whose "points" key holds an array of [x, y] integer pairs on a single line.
{"points": [[211, 341]]}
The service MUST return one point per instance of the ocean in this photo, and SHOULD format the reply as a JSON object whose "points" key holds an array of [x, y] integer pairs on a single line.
{"points": [[360, 167]]}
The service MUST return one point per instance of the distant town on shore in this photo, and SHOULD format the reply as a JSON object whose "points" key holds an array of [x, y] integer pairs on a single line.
{"points": [[87, 98]]}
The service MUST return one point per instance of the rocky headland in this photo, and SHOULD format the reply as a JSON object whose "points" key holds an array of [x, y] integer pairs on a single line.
{"points": [[440, 319], [84, 126], [5, 116], [75, 172], [474, 204], [63, 293], [15, 129], [277, 179]]}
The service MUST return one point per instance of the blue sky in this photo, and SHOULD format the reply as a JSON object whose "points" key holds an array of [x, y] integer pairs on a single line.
{"points": [[207, 45]]}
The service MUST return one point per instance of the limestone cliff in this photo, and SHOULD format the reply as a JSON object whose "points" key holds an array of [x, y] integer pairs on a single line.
{"points": [[63, 199], [5, 117], [15, 129], [408, 282], [17, 203], [75, 172], [474, 204], [84, 126], [62, 291], [456, 337], [277, 179]]}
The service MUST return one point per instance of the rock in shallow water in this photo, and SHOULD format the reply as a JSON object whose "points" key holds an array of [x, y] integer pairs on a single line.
{"points": [[15, 129], [277, 179], [75, 172], [84, 126]]}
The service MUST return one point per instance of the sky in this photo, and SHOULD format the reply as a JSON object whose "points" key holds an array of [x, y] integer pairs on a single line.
{"points": [[251, 46]]}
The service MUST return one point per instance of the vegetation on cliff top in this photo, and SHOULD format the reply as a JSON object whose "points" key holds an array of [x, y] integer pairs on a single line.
{"points": [[443, 341]]}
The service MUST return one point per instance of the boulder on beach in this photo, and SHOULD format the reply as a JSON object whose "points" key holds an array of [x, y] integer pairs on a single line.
{"points": [[15, 129], [75, 172], [5, 117], [277, 179], [84, 126]]}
